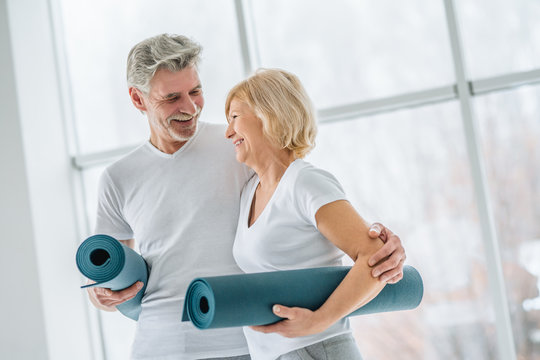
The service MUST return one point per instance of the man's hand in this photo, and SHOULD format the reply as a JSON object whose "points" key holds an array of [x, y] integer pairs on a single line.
{"points": [[296, 322], [107, 299], [390, 270]]}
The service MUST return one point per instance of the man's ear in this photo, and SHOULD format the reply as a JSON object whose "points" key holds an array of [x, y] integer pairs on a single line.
{"points": [[137, 98]]}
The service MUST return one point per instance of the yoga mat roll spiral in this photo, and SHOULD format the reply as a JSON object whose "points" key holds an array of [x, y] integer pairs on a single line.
{"points": [[247, 299], [113, 265]]}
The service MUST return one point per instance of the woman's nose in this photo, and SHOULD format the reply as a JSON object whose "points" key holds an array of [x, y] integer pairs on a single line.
{"points": [[229, 132]]}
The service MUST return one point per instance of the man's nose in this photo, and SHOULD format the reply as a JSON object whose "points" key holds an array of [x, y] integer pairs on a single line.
{"points": [[187, 105]]}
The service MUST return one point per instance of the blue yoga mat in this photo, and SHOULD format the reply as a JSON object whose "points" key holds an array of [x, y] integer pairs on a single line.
{"points": [[247, 299], [113, 265]]}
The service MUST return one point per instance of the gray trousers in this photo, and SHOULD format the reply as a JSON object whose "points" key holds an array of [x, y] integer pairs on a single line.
{"points": [[241, 357], [341, 347]]}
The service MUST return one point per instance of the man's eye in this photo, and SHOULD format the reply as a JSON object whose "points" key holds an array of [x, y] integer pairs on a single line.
{"points": [[173, 99], [196, 92]]}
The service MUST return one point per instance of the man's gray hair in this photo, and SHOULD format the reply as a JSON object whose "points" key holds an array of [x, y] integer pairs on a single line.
{"points": [[173, 52]]}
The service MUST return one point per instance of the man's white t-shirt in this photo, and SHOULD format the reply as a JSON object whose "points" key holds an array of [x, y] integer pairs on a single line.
{"points": [[182, 210], [285, 237]]}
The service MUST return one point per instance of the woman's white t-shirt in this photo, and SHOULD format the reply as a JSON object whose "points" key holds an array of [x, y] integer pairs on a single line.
{"points": [[285, 237]]}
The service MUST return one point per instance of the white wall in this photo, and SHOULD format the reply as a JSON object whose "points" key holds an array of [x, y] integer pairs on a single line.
{"points": [[22, 329], [44, 313]]}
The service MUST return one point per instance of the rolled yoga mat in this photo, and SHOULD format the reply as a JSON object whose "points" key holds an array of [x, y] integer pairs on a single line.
{"points": [[113, 265], [247, 299]]}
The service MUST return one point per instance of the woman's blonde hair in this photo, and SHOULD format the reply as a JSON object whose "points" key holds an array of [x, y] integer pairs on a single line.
{"points": [[278, 98]]}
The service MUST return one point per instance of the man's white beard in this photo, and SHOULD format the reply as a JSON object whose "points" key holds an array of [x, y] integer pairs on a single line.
{"points": [[181, 117], [181, 138]]}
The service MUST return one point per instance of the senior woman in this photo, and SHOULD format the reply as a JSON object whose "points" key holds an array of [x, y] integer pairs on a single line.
{"points": [[294, 215]]}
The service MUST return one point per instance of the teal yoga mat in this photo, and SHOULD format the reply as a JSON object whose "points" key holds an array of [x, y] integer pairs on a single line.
{"points": [[247, 299], [113, 265]]}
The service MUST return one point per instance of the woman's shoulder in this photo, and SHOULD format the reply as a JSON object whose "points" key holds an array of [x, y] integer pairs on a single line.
{"points": [[308, 173], [311, 180]]}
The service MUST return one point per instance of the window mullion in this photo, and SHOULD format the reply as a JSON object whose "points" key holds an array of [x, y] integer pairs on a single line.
{"points": [[505, 340]]}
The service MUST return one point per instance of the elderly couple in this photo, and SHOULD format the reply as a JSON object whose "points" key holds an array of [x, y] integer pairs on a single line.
{"points": [[201, 199]]}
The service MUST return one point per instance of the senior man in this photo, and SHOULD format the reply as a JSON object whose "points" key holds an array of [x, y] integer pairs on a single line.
{"points": [[176, 197]]}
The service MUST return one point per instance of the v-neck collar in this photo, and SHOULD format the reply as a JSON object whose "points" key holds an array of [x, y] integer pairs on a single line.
{"points": [[200, 126], [270, 201]]}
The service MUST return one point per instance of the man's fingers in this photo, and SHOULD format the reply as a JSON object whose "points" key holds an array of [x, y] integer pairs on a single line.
{"points": [[105, 295], [133, 289], [395, 279], [375, 230], [382, 253], [392, 262], [388, 260], [394, 274], [115, 299], [99, 291], [127, 296], [127, 293]]}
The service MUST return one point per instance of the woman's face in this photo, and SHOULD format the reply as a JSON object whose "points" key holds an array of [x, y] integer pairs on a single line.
{"points": [[246, 132]]}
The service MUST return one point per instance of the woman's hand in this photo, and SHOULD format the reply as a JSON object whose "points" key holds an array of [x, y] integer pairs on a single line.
{"points": [[390, 270], [296, 322]]}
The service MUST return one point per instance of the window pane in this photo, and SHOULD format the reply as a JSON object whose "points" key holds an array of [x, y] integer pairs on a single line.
{"points": [[98, 36], [410, 171], [507, 31], [510, 133], [90, 180], [350, 50]]}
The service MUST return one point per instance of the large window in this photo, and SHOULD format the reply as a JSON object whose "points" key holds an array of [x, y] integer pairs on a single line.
{"points": [[510, 129], [355, 50], [98, 36], [410, 169], [501, 36], [395, 128]]}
